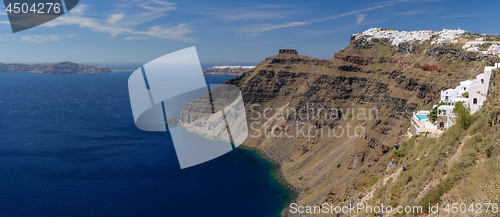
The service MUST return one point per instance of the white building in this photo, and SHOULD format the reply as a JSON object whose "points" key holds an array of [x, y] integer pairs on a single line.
{"points": [[420, 124], [479, 89], [494, 50], [446, 117], [449, 94], [459, 91]]}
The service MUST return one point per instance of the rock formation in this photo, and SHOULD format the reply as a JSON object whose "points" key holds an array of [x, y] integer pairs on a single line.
{"points": [[288, 51]]}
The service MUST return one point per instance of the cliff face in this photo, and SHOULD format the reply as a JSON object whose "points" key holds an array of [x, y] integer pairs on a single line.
{"points": [[333, 124], [53, 68]]}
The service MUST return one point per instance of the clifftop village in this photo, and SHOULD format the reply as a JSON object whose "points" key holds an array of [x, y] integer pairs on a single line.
{"points": [[485, 44]]}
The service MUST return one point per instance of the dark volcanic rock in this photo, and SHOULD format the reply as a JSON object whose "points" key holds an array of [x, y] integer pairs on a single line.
{"points": [[447, 52], [356, 160], [409, 48], [288, 51], [361, 43], [354, 59]]}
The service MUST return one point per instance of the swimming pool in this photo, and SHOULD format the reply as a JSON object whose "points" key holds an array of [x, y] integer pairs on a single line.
{"points": [[421, 117]]}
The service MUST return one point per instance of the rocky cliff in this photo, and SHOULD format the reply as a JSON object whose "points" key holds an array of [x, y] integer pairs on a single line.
{"points": [[334, 125], [53, 68]]}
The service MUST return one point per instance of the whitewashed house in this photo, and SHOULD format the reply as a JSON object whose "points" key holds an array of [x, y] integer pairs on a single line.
{"points": [[449, 94], [446, 117], [459, 91], [479, 89]]}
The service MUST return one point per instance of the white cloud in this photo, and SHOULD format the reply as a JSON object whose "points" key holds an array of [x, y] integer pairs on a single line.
{"points": [[76, 17], [113, 18], [140, 11], [456, 16], [413, 12], [268, 27], [360, 18], [38, 39], [334, 17], [128, 16], [230, 15], [258, 12], [252, 15], [158, 32], [406, 1]]}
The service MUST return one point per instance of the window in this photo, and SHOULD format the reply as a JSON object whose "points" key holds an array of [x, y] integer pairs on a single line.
{"points": [[474, 101], [465, 88], [482, 81]]}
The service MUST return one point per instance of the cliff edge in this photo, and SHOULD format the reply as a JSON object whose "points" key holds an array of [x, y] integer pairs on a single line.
{"points": [[335, 124]]}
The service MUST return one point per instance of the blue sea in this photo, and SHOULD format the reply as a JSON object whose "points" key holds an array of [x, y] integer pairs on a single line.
{"points": [[69, 147]]}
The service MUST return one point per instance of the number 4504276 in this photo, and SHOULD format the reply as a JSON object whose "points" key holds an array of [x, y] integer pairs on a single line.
{"points": [[40, 8]]}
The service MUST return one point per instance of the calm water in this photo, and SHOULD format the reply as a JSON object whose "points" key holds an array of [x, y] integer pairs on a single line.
{"points": [[69, 147]]}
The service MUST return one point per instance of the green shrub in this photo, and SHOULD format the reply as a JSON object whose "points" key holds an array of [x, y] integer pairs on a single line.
{"points": [[381, 59], [462, 112], [370, 182], [404, 149], [433, 114]]}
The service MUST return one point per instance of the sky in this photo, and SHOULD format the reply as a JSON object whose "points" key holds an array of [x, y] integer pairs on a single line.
{"points": [[227, 32]]}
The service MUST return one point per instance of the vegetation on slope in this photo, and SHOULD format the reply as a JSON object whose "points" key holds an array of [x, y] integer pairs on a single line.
{"points": [[465, 158]]}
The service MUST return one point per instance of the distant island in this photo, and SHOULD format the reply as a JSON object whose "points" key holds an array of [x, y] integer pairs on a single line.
{"points": [[227, 70], [53, 68]]}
